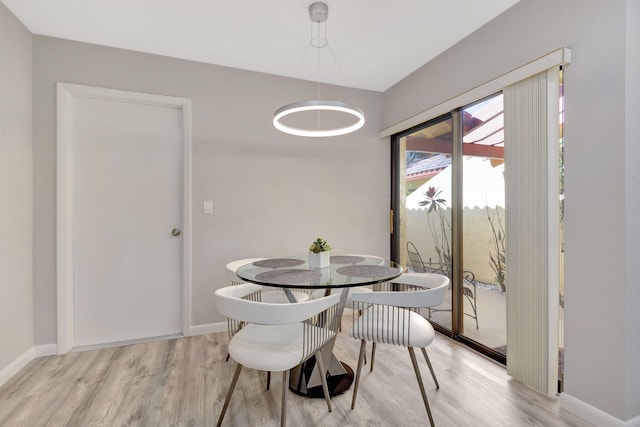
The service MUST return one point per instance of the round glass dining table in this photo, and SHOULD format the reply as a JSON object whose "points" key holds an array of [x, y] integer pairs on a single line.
{"points": [[343, 272]]}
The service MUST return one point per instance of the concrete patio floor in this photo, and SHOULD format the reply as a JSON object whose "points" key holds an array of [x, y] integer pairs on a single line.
{"points": [[492, 317]]}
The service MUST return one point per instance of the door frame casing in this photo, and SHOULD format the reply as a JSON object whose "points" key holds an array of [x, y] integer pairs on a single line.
{"points": [[66, 92]]}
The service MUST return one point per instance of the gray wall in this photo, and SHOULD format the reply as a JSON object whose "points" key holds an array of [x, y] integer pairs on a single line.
{"points": [[632, 201], [272, 193], [602, 297], [16, 190]]}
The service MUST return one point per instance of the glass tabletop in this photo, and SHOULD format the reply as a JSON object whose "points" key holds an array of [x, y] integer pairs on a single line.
{"points": [[344, 271]]}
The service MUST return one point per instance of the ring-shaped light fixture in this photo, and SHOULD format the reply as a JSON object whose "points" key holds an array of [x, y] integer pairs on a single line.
{"points": [[318, 105]]}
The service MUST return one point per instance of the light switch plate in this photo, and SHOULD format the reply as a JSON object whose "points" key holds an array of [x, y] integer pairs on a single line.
{"points": [[207, 207]]}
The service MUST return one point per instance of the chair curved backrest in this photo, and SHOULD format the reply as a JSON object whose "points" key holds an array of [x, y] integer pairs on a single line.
{"points": [[273, 295], [434, 289], [230, 302], [233, 266]]}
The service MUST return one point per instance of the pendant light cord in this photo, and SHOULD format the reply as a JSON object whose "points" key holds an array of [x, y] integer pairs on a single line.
{"points": [[337, 65], [318, 12], [295, 75], [304, 57], [318, 72]]}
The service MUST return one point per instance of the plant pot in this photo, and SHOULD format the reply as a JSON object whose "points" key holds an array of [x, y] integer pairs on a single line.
{"points": [[319, 260]]}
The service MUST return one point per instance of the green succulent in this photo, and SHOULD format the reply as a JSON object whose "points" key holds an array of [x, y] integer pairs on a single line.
{"points": [[319, 245]]}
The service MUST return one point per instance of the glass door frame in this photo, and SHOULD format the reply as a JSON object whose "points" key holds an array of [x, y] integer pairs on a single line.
{"points": [[457, 319]]}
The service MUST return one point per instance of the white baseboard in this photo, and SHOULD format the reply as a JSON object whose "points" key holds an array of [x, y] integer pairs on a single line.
{"points": [[592, 414], [46, 350], [208, 328], [9, 371]]}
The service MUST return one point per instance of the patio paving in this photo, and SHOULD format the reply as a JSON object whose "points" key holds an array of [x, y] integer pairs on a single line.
{"points": [[492, 317]]}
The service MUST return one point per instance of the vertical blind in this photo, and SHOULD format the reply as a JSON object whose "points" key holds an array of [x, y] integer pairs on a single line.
{"points": [[532, 229]]}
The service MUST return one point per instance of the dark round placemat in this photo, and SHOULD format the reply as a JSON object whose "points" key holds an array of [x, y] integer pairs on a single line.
{"points": [[288, 276], [367, 271], [346, 259], [279, 262]]}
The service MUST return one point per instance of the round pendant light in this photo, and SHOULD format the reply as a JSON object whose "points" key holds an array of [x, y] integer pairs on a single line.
{"points": [[318, 105], [318, 12]]}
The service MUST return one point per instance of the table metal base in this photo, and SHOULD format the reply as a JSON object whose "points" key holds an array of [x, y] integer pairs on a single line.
{"points": [[337, 383]]}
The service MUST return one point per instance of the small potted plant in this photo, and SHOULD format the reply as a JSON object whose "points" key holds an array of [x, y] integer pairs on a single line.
{"points": [[319, 254]]}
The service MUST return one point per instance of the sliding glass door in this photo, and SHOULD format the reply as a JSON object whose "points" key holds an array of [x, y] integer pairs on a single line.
{"points": [[448, 203], [483, 225], [423, 226]]}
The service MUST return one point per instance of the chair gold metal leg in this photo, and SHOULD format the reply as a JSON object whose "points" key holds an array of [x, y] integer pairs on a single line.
{"points": [[285, 387], [268, 380], [433, 374], [229, 393], [365, 353], [373, 355], [419, 378], [363, 344], [365, 357], [323, 377]]}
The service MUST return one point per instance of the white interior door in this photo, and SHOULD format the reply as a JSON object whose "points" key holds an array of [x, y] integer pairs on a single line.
{"points": [[127, 184]]}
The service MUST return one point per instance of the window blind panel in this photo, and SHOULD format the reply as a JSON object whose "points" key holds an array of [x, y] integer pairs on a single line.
{"points": [[532, 230]]}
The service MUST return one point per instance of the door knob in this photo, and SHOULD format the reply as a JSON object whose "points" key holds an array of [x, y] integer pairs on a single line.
{"points": [[175, 232]]}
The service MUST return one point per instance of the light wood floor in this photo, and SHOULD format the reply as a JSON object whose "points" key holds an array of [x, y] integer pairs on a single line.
{"points": [[182, 382]]}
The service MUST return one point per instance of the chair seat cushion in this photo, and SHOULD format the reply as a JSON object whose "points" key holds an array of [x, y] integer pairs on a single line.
{"points": [[269, 347], [279, 297], [393, 325]]}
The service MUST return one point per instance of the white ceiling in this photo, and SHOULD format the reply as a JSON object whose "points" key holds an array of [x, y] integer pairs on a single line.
{"points": [[376, 43]]}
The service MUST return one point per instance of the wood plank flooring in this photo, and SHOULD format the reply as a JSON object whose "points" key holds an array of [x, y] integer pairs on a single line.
{"points": [[183, 382]]}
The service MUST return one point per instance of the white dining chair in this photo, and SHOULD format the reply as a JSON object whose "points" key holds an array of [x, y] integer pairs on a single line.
{"points": [[276, 337], [319, 293], [270, 295], [393, 317]]}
